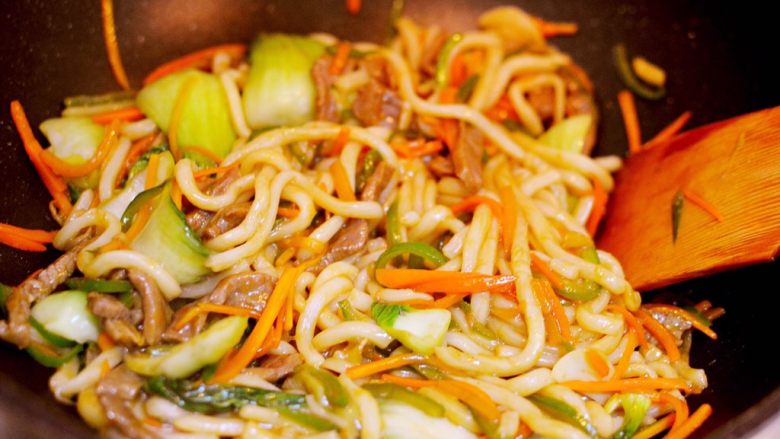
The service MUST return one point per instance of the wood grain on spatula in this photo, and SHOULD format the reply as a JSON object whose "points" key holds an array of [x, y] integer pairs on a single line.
{"points": [[735, 166]]}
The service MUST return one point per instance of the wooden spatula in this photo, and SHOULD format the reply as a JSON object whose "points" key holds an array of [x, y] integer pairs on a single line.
{"points": [[735, 166]]}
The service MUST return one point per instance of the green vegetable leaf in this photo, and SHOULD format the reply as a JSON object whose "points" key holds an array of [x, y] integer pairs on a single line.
{"points": [[677, 207], [635, 407], [565, 412], [402, 394], [307, 419], [385, 314], [424, 251], [347, 311], [98, 285], [442, 73], [632, 82], [323, 385], [465, 90]]}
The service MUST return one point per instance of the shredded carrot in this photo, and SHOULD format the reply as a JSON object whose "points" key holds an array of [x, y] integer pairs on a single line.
{"points": [[305, 242], [625, 358], [137, 149], [630, 120], [523, 431], [105, 342], [539, 265], [509, 218], [353, 6], [429, 281], [627, 385], [685, 315], [65, 169], [54, 184], [417, 148], [204, 152], [446, 301], [176, 194], [115, 244], [339, 142], [692, 423], [21, 243], [199, 59], [105, 368], [214, 171], [555, 311], [288, 212], [671, 130], [127, 114], [341, 181], [470, 203], [599, 208], [206, 308], [505, 313], [555, 29], [680, 408], [246, 353], [284, 257], [597, 362], [384, 364], [550, 327], [632, 322], [340, 58], [288, 311], [152, 422], [502, 110], [41, 236], [178, 109], [703, 204], [112, 44], [151, 171], [656, 428], [660, 333], [474, 397]]}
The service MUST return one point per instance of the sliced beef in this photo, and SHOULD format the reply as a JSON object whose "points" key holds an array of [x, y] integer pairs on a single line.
{"points": [[116, 392], [376, 104], [109, 307], [155, 306], [225, 219], [376, 182], [123, 333], [276, 367], [17, 329], [467, 157], [325, 105], [441, 166], [198, 219], [245, 290]]}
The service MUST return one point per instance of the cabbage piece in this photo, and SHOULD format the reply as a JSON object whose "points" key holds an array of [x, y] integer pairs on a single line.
{"points": [[568, 134], [418, 330], [66, 314], [205, 118], [280, 89], [135, 185], [404, 421], [74, 140]]}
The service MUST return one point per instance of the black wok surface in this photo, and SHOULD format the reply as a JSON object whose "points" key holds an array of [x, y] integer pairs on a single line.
{"points": [[718, 54]]}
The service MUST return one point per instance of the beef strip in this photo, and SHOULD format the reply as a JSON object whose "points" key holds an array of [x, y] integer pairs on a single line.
{"points": [[441, 166], [156, 310], [123, 333], [17, 329], [325, 105], [244, 290], [467, 157], [116, 392], [376, 182], [225, 219], [276, 367]]}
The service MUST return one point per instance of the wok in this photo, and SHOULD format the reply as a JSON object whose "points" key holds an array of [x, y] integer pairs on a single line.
{"points": [[712, 51]]}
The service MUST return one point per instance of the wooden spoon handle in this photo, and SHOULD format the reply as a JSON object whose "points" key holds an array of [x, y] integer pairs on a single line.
{"points": [[733, 165]]}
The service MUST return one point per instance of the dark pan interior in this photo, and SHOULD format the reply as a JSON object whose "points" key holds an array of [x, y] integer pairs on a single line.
{"points": [[716, 54]]}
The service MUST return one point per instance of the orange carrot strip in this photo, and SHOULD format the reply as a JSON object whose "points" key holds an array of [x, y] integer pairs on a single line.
{"points": [[288, 311], [340, 58], [444, 302], [284, 257], [632, 322], [551, 329], [21, 243], [509, 218], [127, 114], [138, 148], [246, 353], [691, 424], [206, 308], [199, 59], [178, 109], [151, 171], [408, 151], [680, 408], [305, 242], [597, 363], [65, 169], [523, 431], [703, 204], [339, 142], [176, 194], [287, 212], [660, 333], [205, 152], [656, 428], [556, 312], [600, 199], [671, 130], [539, 265], [469, 394], [54, 184], [627, 385], [152, 422], [105, 342], [429, 281], [468, 204], [385, 364], [625, 358], [555, 29], [41, 236], [685, 315], [341, 181], [214, 171], [630, 120], [112, 44], [353, 6], [115, 244]]}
